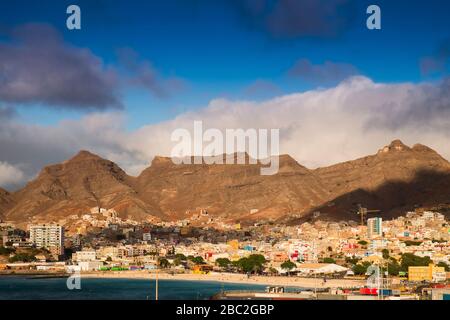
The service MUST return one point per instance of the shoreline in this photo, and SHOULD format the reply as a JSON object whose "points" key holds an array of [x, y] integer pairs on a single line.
{"points": [[292, 281]]}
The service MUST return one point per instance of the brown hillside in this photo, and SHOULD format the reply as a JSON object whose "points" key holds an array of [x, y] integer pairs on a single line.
{"points": [[395, 179], [74, 186], [230, 190]]}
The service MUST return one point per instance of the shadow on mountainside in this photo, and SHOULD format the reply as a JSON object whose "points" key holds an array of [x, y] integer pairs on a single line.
{"points": [[429, 189]]}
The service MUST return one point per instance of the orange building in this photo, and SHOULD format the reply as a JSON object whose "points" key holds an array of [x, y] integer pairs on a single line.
{"points": [[280, 257], [202, 269]]}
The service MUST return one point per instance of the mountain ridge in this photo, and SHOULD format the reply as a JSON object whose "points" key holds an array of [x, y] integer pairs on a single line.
{"points": [[238, 192]]}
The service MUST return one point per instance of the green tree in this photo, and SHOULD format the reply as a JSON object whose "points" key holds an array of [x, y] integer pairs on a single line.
{"points": [[328, 260], [257, 258], [22, 257], [362, 242], [180, 256], [223, 262], [411, 260], [177, 261], [352, 260], [6, 251], [288, 265], [385, 253], [444, 265], [197, 260], [164, 263], [253, 263], [361, 268], [243, 264], [273, 271], [393, 268], [412, 243]]}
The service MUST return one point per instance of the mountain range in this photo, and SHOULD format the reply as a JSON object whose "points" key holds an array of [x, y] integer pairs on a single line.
{"points": [[395, 179]]}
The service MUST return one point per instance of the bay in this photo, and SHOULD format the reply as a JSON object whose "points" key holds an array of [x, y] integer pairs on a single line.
{"points": [[26, 288]]}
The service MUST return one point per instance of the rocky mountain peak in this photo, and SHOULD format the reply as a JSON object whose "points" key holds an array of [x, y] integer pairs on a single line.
{"points": [[159, 160], [83, 155], [396, 145]]}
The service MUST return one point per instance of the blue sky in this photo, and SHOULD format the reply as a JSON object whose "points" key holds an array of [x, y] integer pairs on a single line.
{"points": [[216, 49], [137, 70]]}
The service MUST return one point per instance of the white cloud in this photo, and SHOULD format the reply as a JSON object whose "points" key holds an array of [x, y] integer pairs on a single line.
{"points": [[317, 127], [322, 127], [10, 174]]}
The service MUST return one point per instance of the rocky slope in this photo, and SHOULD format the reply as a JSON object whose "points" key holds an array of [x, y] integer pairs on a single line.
{"points": [[6, 202], [73, 187], [396, 178], [230, 190]]}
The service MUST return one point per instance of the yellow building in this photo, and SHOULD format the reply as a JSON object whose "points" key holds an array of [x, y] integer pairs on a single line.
{"points": [[429, 273], [234, 244], [235, 257]]}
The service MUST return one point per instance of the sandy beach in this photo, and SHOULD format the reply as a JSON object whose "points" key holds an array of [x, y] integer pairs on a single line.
{"points": [[292, 281]]}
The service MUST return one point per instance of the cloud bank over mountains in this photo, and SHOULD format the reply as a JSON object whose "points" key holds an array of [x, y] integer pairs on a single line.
{"points": [[317, 127]]}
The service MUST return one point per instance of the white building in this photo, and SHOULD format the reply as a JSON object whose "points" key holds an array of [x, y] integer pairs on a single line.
{"points": [[84, 266], [320, 268], [376, 244], [90, 265], [48, 236], [374, 228], [84, 255], [147, 236]]}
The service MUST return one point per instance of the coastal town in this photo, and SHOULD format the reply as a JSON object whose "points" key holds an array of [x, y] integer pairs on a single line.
{"points": [[411, 254]]}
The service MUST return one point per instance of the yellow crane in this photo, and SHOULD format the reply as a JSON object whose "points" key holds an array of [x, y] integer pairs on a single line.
{"points": [[363, 213]]}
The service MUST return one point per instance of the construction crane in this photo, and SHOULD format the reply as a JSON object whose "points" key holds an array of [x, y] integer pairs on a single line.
{"points": [[363, 213]]}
